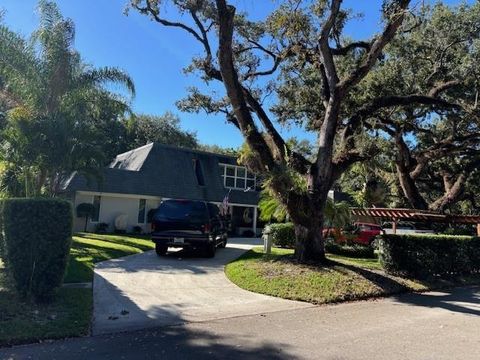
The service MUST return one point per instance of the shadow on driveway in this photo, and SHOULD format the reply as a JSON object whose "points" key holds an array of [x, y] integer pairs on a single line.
{"points": [[145, 291]]}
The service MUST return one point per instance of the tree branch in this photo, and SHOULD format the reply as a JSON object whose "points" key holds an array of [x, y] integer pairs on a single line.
{"points": [[324, 47], [376, 48], [234, 89], [344, 50], [156, 16]]}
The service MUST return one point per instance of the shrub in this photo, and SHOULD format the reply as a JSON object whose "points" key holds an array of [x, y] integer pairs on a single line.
{"points": [[101, 228], [36, 244], [350, 250], [283, 235], [85, 210], [137, 229], [426, 255]]}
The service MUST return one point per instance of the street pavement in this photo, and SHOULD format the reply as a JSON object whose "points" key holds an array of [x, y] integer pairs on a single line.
{"points": [[436, 326]]}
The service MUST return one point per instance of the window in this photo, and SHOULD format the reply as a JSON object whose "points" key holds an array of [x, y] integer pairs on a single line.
{"points": [[182, 210], [141, 211], [237, 177], [198, 172], [96, 203]]}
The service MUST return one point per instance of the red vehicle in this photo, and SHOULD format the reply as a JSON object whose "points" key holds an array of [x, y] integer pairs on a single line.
{"points": [[363, 233], [366, 232]]}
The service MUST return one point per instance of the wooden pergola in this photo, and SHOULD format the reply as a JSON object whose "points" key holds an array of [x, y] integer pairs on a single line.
{"points": [[398, 214]]}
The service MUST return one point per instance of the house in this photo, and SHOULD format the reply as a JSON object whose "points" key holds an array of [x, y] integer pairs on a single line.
{"points": [[138, 180]]}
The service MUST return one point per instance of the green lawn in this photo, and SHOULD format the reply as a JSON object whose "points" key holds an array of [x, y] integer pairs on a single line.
{"points": [[343, 279], [23, 322], [70, 313], [88, 249]]}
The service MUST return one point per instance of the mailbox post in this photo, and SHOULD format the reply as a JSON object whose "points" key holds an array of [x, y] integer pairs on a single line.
{"points": [[267, 240]]}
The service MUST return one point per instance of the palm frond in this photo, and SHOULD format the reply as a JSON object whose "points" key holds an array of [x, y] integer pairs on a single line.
{"points": [[104, 76]]}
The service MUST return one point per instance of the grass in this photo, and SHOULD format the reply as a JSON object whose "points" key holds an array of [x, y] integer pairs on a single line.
{"points": [[70, 313], [88, 249], [24, 322], [344, 279]]}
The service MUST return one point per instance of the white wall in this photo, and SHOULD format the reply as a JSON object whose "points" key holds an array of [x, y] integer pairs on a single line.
{"points": [[112, 206]]}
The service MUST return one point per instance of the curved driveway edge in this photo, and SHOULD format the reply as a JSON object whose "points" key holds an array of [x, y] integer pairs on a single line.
{"points": [[144, 290]]}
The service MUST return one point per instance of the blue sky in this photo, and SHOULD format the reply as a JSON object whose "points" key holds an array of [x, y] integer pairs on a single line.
{"points": [[154, 56]]}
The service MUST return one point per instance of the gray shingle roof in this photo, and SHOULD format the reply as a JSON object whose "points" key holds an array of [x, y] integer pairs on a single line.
{"points": [[164, 171]]}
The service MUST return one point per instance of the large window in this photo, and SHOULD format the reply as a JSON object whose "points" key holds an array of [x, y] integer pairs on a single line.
{"points": [[141, 211], [237, 177], [96, 203]]}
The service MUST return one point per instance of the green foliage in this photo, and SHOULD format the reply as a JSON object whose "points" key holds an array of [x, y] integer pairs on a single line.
{"points": [[85, 210], [137, 230], [429, 255], [337, 215], [270, 208], [218, 150], [36, 237], [350, 250], [283, 235], [143, 129], [60, 112], [101, 228]]}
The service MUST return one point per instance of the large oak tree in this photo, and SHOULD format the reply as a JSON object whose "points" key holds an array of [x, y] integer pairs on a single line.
{"points": [[314, 75]]}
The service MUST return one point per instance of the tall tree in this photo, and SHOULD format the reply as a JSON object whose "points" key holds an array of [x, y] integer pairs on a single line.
{"points": [[56, 103], [436, 150], [318, 77], [141, 129]]}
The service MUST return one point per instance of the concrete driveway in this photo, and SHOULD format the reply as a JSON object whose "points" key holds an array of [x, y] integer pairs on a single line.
{"points": [[144, 290]]}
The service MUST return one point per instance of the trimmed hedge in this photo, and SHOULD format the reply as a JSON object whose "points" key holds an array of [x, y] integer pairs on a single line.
{"points": [[35, 235], [350, 250], [283, 235], [429, 255]]}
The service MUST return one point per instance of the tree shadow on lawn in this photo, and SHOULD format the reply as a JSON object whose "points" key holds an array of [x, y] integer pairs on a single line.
{"points": [[118, 239], [462, 300], [388, 284], [83, 258]]}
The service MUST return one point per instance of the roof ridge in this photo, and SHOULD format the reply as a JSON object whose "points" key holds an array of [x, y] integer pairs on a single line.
{"points": [[184, 149], [136, 149]]}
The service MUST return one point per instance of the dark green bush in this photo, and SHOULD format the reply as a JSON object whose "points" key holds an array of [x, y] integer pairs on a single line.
{"points": [[101, 228], [137, 230], [283, 235], [85, 210], [428, 255], [36, 243], [350, 250]]}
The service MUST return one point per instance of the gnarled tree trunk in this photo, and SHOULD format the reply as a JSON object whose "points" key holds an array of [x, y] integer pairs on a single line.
{"points": [[310, 244]]}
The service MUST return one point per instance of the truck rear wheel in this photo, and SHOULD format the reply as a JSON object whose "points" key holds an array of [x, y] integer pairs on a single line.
{"points": [[211, 249], [160, 249], [223, 244]]}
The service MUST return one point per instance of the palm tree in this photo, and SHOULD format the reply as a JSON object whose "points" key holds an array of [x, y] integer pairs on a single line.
{"points": [[337, 215], [271, 208], [55, 101]]}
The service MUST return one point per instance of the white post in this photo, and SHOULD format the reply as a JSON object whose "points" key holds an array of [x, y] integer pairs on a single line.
{"points": [[255, 221], [267, 240]]}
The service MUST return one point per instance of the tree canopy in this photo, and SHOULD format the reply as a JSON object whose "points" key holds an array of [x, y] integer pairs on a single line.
{"points": [[58, 114], [55, 104], [318, 78]]}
